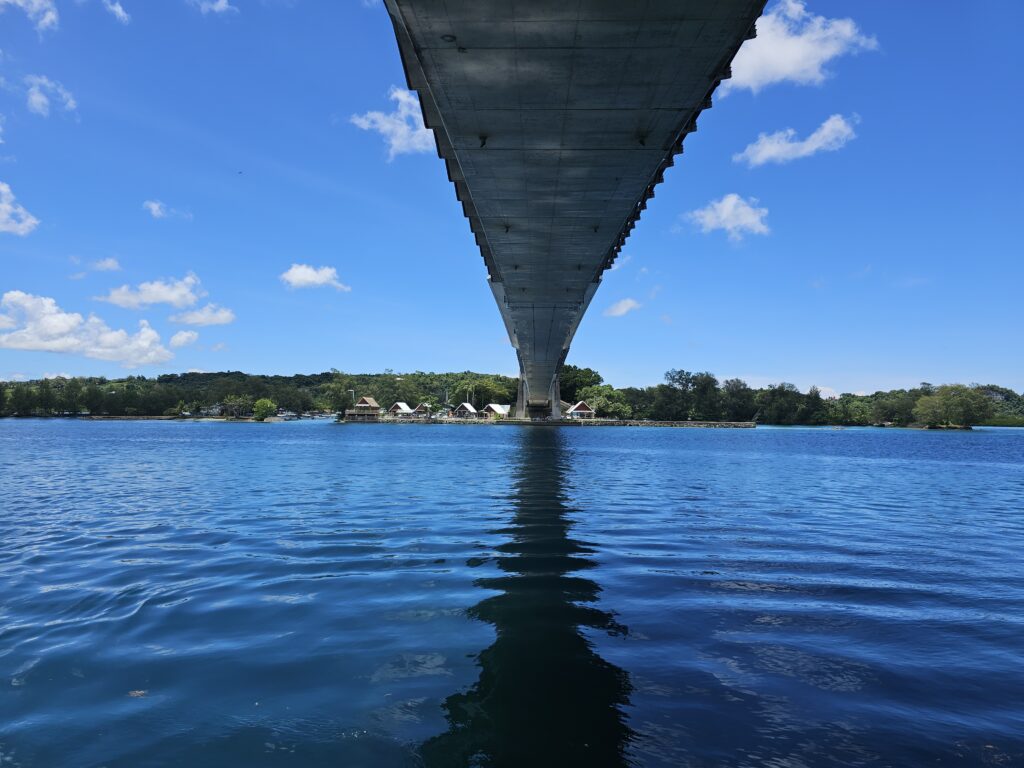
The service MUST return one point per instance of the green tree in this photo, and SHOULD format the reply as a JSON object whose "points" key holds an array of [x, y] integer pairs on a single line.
{"points": [[780, 403], [263, 408], [46, 399], [640, 401], [606, 401], [23, 400], [738, 400], [954, 405], [707, 399], [71, 396], [572, 379], [848, 410], [812, 410], [930, 411], [336, 395], [237, 406], [674, 399]]}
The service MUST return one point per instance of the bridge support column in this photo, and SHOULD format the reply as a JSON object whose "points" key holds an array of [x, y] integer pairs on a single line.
{"points": [[556, 399], [521, 399]]}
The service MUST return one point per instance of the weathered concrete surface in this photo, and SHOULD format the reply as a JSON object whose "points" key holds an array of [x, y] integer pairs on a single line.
{"points": [[556, 121]]}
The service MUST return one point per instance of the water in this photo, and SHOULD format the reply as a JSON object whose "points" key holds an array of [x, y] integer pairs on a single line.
{"points": [[311, 594]]}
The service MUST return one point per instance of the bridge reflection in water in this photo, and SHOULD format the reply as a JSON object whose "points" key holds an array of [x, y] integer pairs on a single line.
{"points": [[544, 697]]}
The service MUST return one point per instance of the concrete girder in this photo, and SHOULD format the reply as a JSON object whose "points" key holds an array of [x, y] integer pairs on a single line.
{"points": [[556, 121]]}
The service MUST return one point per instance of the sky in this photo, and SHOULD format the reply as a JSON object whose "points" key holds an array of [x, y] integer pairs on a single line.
{"points": [[246, 185]]}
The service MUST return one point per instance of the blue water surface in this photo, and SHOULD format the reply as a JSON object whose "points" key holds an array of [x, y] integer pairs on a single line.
{"points": [[313, 594]]}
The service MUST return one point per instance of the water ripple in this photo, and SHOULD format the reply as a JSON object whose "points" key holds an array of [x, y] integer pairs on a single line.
{"points": [[313, 594]]}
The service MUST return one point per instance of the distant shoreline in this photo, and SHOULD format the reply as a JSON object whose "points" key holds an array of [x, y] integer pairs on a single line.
{"points": [[570, 423], [523, 422]]}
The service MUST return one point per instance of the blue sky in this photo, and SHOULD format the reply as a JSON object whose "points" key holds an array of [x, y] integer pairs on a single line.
{"points": [[205, 185]]}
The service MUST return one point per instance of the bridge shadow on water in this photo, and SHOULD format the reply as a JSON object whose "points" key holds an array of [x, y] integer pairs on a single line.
{"points": [[544, 697]]}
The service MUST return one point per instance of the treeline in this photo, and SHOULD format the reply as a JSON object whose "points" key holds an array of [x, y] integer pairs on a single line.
{"points": [[236, 393], [683, 396], [702, 397]]}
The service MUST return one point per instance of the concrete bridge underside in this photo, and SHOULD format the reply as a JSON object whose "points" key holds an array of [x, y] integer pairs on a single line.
{"points": [[556, 120]]}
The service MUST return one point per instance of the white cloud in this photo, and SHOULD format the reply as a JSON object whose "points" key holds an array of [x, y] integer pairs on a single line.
{"points": [[178, 293], [42, 13], [160, 210], [117, 10], [103, 265], [41, 325], [41, 88], [7, 322], [156, 209], [622, 307], [620, 262], [783, 146], [403, 128], [14, 219], [106, 265], [794, 45], [215, 6], [211, 314], [733, 214], [183, 339], [305, 276]]}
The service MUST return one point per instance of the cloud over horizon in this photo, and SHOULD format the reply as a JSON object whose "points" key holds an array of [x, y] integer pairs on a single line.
{"points": [[783, 146], [14, 219], [106, 265], [794, 45], [211, 314], [41, 325], [178, 293], [42, 13], [306, 276], [622, 307], [40, 89], [183, 338], [403, 128], [158, 209], [117, 11], [214, 6], [733, 214]]}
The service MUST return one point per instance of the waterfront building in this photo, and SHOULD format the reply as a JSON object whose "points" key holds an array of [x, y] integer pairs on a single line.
{"points": [[400, 410], [495, 411], [422, 411], [366, 409], [465, 411], [581, 411]]}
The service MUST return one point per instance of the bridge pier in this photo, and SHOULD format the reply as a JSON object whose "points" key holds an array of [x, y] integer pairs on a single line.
{"points": [[538, 408], [556, 399]]}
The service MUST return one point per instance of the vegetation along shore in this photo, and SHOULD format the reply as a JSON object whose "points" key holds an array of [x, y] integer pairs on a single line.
{"points": [[683, 396]]}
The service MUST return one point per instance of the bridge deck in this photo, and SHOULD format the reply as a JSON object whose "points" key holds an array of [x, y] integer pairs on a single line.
{"points": [[556, 121]]}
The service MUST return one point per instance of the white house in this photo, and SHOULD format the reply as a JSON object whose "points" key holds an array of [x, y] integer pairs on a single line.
{"points": [[581, 411], [465, 411], [495, 411], [400, 410]]}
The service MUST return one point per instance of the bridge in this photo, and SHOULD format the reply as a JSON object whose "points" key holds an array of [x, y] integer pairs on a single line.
{"points": [[556, 121]]}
